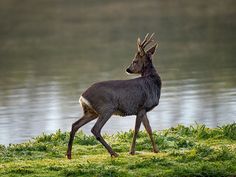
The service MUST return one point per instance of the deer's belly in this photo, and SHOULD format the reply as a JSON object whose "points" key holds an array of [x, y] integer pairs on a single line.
{"points": [[120, 112]]}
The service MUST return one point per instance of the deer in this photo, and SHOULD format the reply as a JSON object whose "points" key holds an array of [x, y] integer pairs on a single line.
{"points": [[135, 96]]}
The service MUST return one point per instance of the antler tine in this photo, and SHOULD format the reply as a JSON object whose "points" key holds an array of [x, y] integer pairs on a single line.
{"points": [[148, 41], [145, 39]]}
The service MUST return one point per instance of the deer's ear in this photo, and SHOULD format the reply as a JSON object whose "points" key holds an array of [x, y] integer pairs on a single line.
{"points": [[138, 44], [152, 50]]}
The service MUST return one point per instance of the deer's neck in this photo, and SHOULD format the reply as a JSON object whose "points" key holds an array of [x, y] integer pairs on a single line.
{"points": [[150, 71]]}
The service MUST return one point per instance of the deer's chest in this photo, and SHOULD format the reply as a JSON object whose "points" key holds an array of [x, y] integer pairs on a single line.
{"points": [[152, 100]]}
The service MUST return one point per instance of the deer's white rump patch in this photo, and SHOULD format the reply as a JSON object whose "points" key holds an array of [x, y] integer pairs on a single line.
{"points": [[83, 100]]}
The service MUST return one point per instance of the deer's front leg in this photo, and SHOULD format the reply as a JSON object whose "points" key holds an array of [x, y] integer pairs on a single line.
{"points": [[139, 119], [149, 131]]}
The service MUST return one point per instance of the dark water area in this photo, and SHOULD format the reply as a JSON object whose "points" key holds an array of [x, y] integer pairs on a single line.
{"points": [[51, 51]]}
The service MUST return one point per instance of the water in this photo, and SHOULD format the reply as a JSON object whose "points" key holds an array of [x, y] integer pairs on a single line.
{"points": [[51, 51]]}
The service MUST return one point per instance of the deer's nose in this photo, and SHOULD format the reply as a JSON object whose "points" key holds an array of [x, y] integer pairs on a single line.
{"points": [[128, 70]]}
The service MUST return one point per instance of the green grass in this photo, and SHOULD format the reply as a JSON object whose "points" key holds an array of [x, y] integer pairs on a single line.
{"points": [[184, 151]]}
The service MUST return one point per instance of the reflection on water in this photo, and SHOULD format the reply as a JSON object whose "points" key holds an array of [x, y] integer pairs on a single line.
{"points": [[50, 52]]}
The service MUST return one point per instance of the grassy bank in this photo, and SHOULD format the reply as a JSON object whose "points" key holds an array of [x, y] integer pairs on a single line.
{"points": [[184, 151]]}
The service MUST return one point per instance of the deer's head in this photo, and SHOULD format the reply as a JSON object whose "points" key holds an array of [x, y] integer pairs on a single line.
{"points": [[142, 58]]}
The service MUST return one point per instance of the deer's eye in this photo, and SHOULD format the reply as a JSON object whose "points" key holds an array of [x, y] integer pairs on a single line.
{"points": [[135, 62]]}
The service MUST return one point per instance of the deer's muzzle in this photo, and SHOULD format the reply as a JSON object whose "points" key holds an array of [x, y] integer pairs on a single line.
{"points": [[129, 71]]}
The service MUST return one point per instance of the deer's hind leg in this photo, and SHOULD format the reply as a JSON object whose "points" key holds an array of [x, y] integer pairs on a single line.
{"points": [[96, 130], [88, 116]]}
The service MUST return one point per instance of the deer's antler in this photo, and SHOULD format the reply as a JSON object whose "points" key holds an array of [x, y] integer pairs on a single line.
{"points": [[146, 41]]}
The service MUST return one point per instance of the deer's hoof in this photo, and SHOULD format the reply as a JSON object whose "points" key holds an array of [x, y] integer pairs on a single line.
{"points": [[131, 152], [68, 156], [114, 155], [156, 150]]}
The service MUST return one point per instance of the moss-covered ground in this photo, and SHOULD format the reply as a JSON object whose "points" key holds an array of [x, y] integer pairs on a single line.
{"points": [[184, 151]]}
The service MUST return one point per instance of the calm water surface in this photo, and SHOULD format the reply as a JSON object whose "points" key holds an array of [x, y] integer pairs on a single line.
{"points": [[50, 52]]}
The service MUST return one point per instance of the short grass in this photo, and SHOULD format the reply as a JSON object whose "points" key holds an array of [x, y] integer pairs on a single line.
{"points": [[184, 151]]}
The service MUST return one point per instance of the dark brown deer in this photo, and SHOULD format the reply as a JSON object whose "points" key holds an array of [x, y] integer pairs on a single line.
{"points": [[123, 97]]}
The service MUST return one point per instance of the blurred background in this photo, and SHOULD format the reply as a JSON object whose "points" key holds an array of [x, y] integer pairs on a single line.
{"points": [[51, 51]]}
